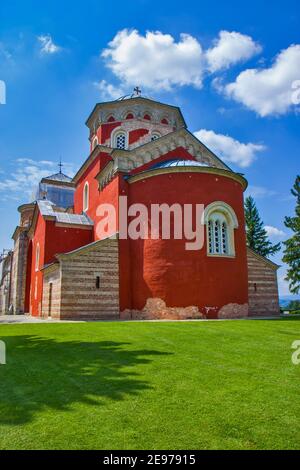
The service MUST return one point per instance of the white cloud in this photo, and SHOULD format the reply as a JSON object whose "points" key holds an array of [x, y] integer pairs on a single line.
{"points": [[231, 48], [158, 61], [259, 192], [47, 44], [268, 90], [229, 149], [22, 182], [283, 285], [274, 232], [5, 52], [109, 91], [155, 60]]}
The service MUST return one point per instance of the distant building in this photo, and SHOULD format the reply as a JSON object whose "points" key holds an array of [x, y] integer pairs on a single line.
{"points": [[63, 267], [5, 280]]}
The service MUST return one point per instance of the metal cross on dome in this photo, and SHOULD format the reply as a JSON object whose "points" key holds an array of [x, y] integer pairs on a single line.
{"points": [[137, 91], [60, 166]]}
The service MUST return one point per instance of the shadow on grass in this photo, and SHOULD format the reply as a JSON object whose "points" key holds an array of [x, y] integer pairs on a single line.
{"points": [[43, 373]]}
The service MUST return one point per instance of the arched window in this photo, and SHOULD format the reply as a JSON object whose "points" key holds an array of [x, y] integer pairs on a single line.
{"points": [[86, 197], [164, 121], [147, 117], [155, 135], [111, 119], [37, 257], [221, 221], [95, 143], [120, 140], [129, 116]]}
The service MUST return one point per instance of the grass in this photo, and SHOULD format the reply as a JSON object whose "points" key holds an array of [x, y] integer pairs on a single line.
{"points": [[170, 385]]}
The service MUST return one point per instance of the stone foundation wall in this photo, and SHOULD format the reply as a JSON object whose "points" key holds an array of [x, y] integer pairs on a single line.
{"points": [[262, 286], [85, 283], [156, 309]]}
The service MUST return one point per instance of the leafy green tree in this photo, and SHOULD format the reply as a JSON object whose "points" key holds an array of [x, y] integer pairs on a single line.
{"points": [[257, 237], [294, 305], [292, 245]]}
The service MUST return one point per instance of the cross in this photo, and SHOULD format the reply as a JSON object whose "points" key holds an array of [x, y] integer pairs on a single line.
{"points": [[60, 166], [137, 91]]}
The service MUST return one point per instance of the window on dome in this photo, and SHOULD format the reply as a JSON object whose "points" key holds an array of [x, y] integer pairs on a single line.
{"points": [[120, 141], [147, 117], [95, 143], [130, 116], [155, 135], [221, 221], [164, 121], [86, 197], [111, 119]]}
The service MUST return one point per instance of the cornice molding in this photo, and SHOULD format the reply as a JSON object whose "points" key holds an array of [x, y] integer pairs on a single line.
{"points": [[186, 169]]}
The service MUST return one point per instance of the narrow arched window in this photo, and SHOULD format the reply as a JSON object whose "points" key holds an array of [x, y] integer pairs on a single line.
{"points": [[86, 197], [37, 257], [120, 141], [155, 135], [221, 222], [129, 116], [164, 121], [95, 143], [147, 117], [111, 119]]}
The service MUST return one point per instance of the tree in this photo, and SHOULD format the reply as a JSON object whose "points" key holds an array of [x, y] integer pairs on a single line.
{"points": [[257, 237], [292, 245], [294, 305]]}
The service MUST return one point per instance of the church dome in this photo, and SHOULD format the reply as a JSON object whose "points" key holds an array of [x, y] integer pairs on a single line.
{"points": [[177, 162], [61, 177]]}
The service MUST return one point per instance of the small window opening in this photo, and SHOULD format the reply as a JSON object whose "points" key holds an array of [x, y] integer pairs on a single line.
{"points": [[97, 282]]}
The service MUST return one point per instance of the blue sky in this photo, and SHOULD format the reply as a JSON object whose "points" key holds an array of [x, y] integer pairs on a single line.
{"points": [[230, 66]]}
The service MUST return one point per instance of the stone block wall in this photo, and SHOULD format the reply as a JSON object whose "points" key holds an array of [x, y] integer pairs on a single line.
{"points": [[52, 293], [18, 278], [262, 286], [85, 283]]}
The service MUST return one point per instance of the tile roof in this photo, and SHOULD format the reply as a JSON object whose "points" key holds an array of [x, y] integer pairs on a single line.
{"points": [[47, 208]]}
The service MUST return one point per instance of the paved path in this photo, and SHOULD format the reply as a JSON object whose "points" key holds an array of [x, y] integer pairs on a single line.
{"points": [[25, 319], [10, 319]]}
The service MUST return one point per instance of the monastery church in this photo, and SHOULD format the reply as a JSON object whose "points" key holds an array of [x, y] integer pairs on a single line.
{"points": [[60, 267]]}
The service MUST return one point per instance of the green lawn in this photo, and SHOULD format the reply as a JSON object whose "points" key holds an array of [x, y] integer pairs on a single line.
{"points": [[192, 385]]}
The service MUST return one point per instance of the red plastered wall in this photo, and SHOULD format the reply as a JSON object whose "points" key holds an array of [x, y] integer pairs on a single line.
{"points": [[165, 269], [52, 240]]}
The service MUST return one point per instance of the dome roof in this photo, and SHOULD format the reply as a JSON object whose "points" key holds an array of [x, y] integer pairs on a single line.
{"points": [[177, 162], [59, 177]]}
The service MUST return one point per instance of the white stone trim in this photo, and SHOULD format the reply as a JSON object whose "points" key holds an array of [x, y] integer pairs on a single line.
{"points": [[226, 212]]}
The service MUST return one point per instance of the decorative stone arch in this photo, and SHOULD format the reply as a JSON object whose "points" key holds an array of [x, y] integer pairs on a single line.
{"points": [[110, 117], [155, 135], [128, 112], [220, 220], [165, 120], [114, 137]]}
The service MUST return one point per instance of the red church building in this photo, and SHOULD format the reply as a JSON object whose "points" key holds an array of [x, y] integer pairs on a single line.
{"points": [[140, 151]]}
